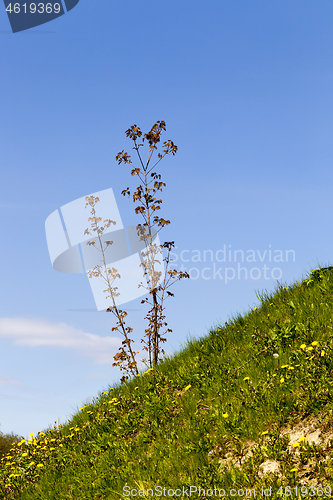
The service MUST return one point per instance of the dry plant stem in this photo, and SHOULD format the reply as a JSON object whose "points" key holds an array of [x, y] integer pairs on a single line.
{"points": [[151, 315], [125, 358], [155, 320], [122, 356], [149, 204]]}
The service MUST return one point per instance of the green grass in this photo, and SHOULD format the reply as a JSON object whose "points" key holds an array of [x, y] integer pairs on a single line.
{"points": [[193, 420]]}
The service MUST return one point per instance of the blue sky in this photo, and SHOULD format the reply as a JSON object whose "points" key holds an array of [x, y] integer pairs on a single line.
{"points": [[245, 88]]}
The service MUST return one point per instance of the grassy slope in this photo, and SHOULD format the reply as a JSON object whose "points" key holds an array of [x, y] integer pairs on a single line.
{"points": [[193, 420]]}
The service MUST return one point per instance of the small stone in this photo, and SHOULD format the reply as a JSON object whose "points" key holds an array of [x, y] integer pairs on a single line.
{"points": [[269, 467]]}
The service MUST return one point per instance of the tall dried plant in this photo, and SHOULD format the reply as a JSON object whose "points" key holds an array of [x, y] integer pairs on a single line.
{"points": [[148, 204], [125, 358]]}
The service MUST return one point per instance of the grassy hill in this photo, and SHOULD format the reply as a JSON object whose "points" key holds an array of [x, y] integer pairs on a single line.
{"points": [[249, 406]]}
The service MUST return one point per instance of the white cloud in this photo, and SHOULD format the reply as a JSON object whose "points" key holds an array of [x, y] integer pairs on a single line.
{"points": [[9, 381], [31, 333]]}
